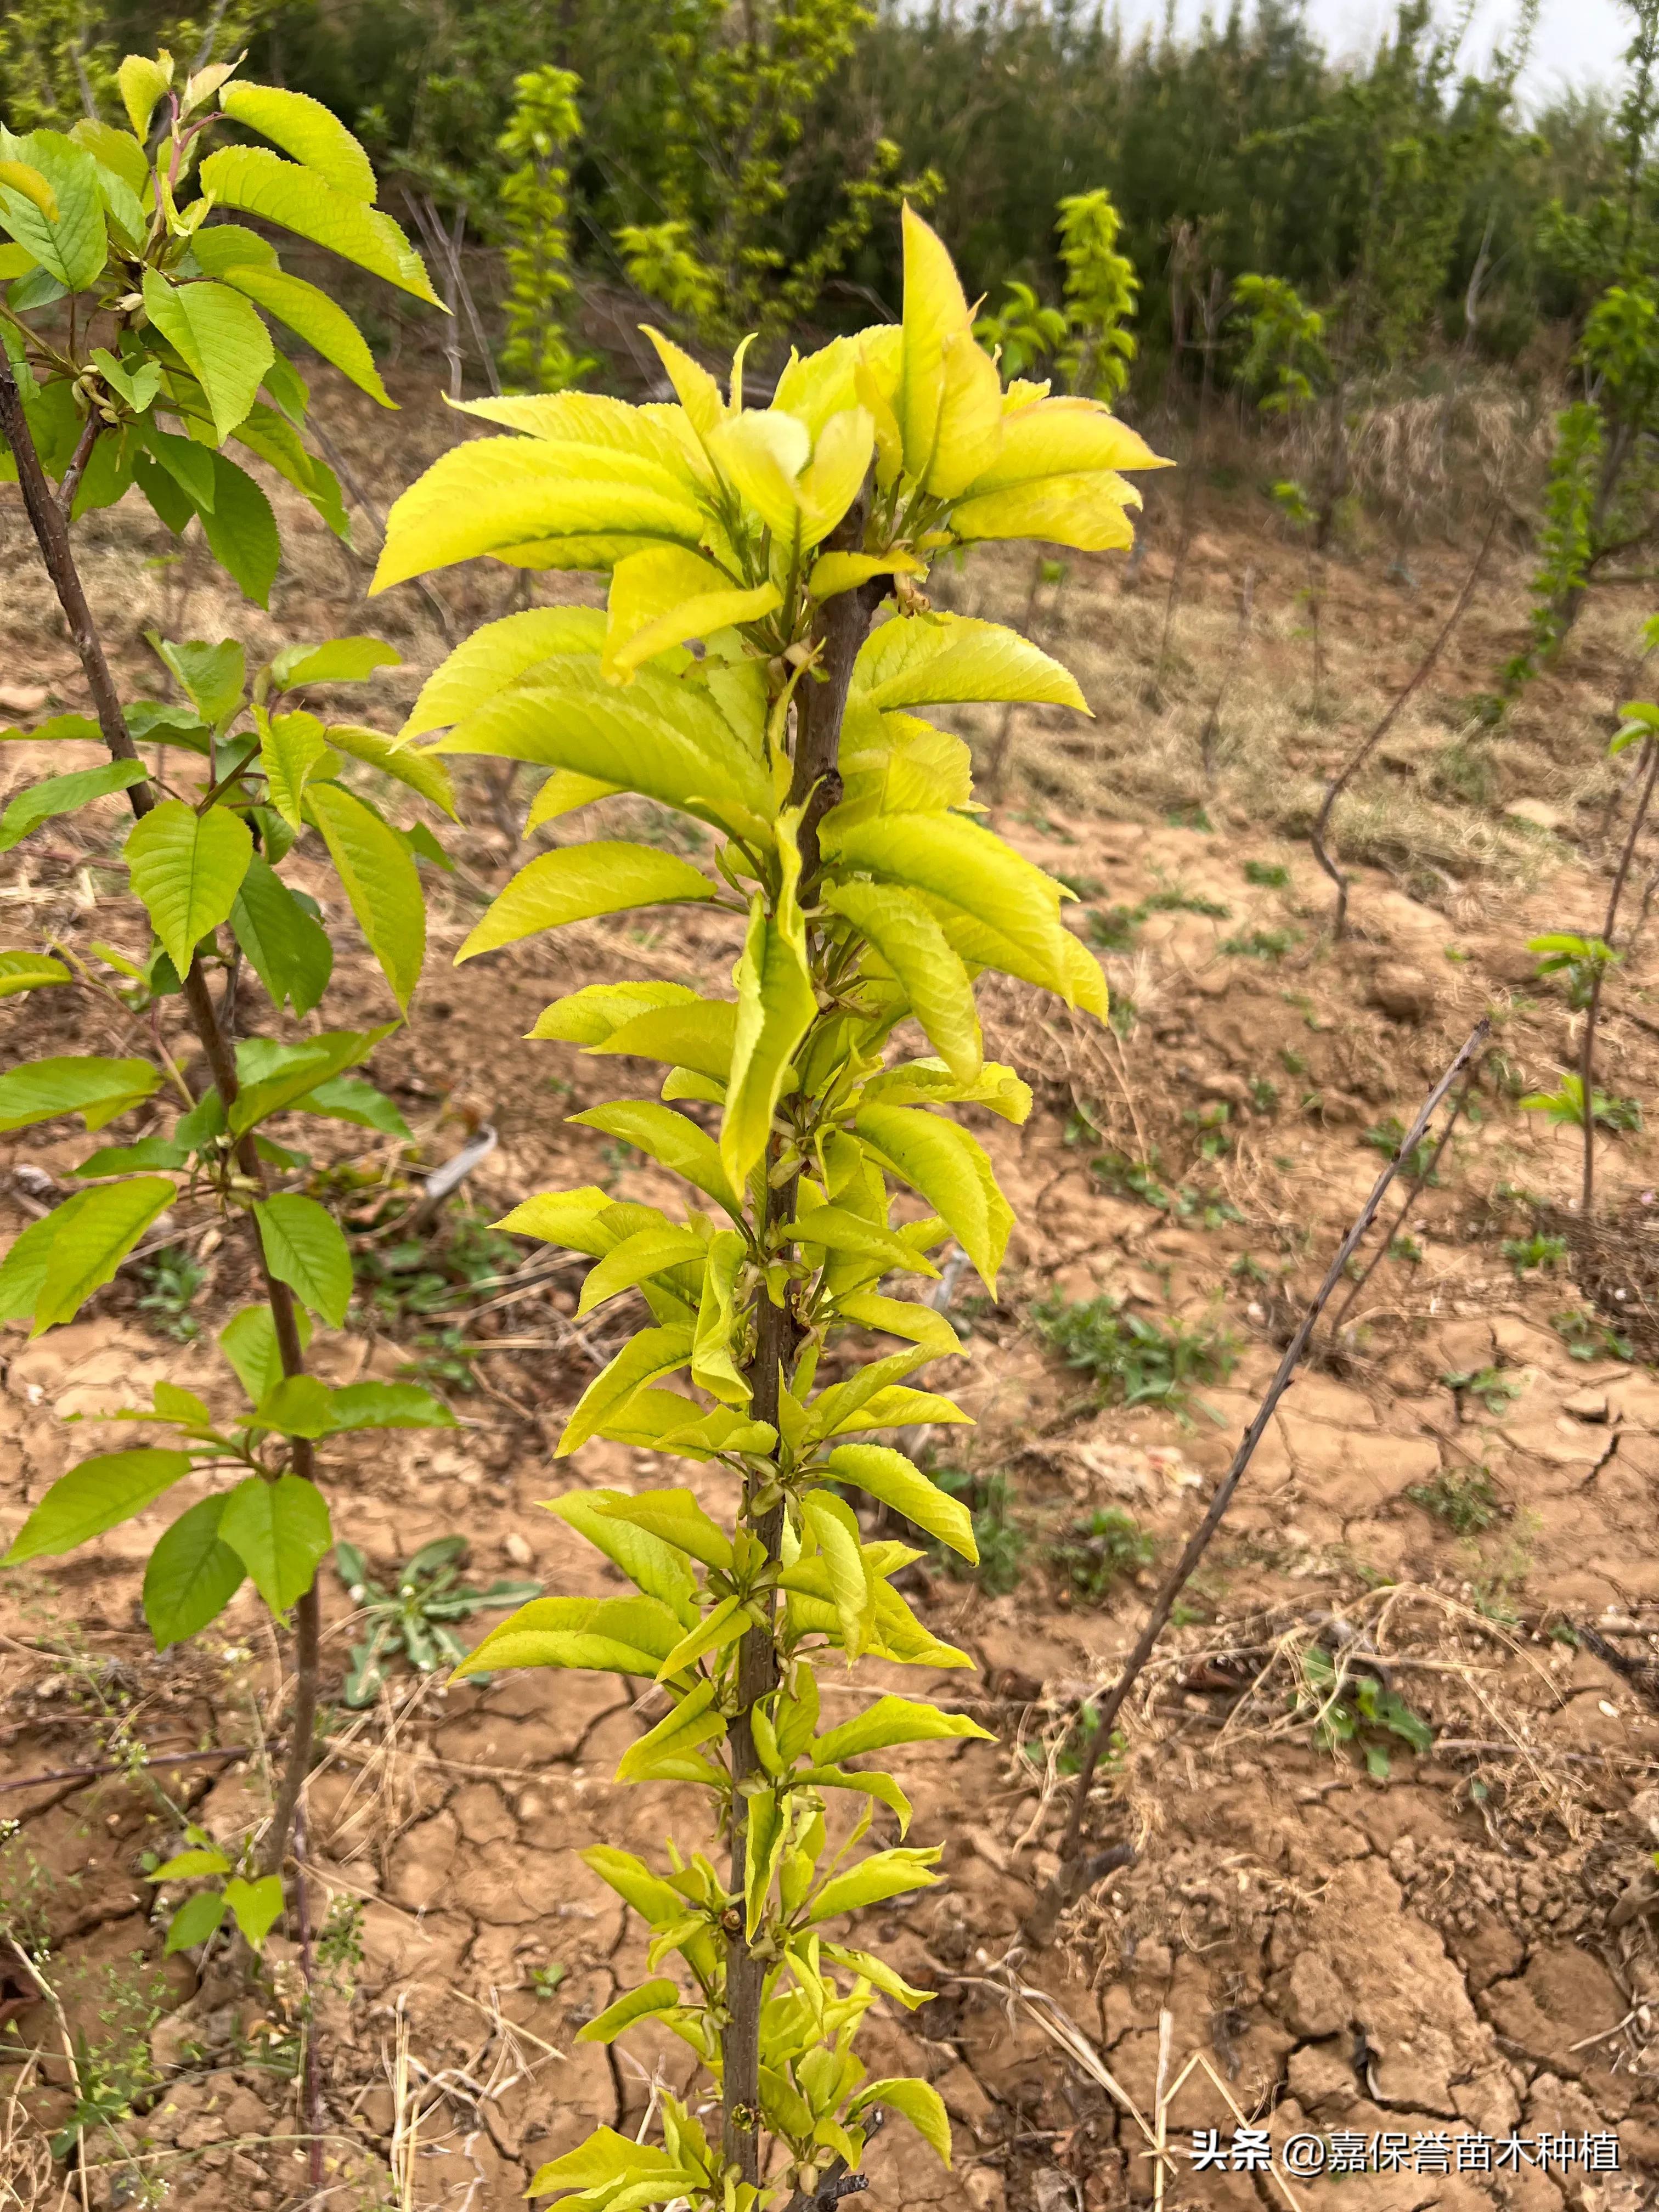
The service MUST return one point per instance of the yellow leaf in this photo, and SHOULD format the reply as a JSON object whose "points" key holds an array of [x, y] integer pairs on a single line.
{"points": [[777, 1006], [503, 493], [933, 659], [18, 177], [1086, 513], [969, 436], [842, 572], [760, 454], [580, 881], [663, 598], [495, 657], [696, 391], [931, 975], [563, 794], [951, 1169], [1063, 438], [831, 480], [935, 311]]}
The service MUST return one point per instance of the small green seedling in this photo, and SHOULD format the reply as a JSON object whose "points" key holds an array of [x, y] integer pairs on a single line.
{"points": [[253, 1905], [1135, 1361], [1496, 1390], [1524, 1253], [416, 1617], [1107, 1547], [1359, 1710]]}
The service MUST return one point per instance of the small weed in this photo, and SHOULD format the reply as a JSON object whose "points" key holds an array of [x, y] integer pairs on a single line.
{"points": [[112, 2062], [1293, 1062], [1407, 1250], [1113, 929], [416, 1619], [1272, 875], [1535, 1251], [1133, 1361], [1189, 817], [1260, 943], [1247, 1268], [1074, 1747], [1000, 1540], [1497, 1391], [546, 1981], [1129, 1178], [340, 1942], [1084, 887], [1359, 1711], [1174, 900], [172, 1280], [1587, 1337], [1388, 1136], [1264, 1094], [1466, 1503], [1109, 1547]]}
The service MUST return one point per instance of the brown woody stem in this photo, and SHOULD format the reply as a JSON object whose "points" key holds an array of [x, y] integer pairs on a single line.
{"points": [[843, 625], [1593, 1012], [49, 522]]}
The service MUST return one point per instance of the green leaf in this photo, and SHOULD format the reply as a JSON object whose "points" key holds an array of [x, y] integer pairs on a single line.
{"points": [[580, 881], [288, 950], [219, 336], [192, 1575], [263, 184], [776, 1007], [292, 748], [341, 661], [142, 82], [651, 1565], [386, 1405], [898, 1482], [97, 1495], [304, 1249], [23, 1270], [29, 971], [341, 1099], [892, 1721], [276, 1076], [186, 1864], [190, 466], [248, 1341], [882, 1876], [326, 328], [96, 1089], [419, 771], [669, 1752], [92, 1240], [832, 1522], [649, 1251], [953, 859], [645, 1359], [69, 241], [671, 1140], [610, 1635], [256, 1905], [918, 2102], [279, 1530], [607, 2160], [306, 129], [379, 879], [133, 1159], [195, 1921], [118, 152], [240, 530], [295, 1406], [64, 795], [648, 2002], [676, 1517], [953, 1173], [212, 677], [187, 868]]}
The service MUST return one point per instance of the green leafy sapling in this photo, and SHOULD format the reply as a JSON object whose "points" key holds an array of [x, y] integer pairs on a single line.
{"points": [[136, 348], [535, 200]]}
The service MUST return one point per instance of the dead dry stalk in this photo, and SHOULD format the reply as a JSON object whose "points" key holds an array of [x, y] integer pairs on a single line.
{"points": [[1072, 1876], [1357, 760]]}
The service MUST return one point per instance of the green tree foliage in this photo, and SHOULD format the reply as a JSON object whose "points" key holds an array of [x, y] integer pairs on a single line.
{"points": [[1086, 337], [534, 195], [165, 360], [866, 895]]}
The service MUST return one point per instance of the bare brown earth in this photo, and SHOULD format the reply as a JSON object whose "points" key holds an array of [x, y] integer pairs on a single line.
{"points": [[1465, 1944]]}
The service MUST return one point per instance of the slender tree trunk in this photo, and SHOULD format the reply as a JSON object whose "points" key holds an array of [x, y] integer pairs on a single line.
{"points": [[49, 518], [1593, 1012], [815, 786]]}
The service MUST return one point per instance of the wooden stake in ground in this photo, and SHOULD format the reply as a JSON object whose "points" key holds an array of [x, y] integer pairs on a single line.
{"points": [[1075, 1873]]}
